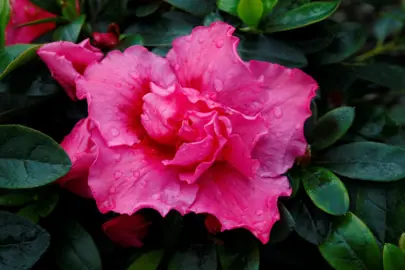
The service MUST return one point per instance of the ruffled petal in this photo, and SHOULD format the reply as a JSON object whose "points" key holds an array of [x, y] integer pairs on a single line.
{"points": [[23, 11], [290, 93], [82, 153], [114, 89], [128, 231], [238, 202], [207, 60], [67, 61], [125, 179]]}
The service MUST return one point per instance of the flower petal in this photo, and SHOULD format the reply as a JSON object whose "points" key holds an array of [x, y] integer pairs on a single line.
{"points": [[23, 11], [238, 202], [67, 61], [290, 92], [128, 231], [125, 179], [82, 153], [114, 89], [207, 60]]}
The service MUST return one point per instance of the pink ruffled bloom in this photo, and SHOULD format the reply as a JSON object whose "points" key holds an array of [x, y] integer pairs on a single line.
{"points": [[198, 131], [22, 12]]}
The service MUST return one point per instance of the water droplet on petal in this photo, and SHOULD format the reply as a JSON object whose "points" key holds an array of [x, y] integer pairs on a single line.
{"points": [[278, 113], [218, 85], [177, 67], [261, 78], [117, 175], [117, 157], [259, 212], [142, 183], [113, 189], [115, 132], [200, 40], [118, 85], [188, 38], [219, 43], [298, 126], [135, 174], [156, 196]]}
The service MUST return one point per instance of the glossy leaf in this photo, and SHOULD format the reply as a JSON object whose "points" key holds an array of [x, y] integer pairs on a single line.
{"points": [[366, 161], [326, 191], [29, 158], [14, 56], [15, 199], [390, 76], [22, 243], [243, 261], [148, 261], [332, 126], [71, 31], [385, 26], [268, 6], [351, 245], [75, 248], [302, 16], [393, 257], [229, 6], [250, 11], [147, 9], [4, 18], [283, 227], [41, 208], [396, 113], [129, 41], [212, 17], [195, 7], [201, 259]]}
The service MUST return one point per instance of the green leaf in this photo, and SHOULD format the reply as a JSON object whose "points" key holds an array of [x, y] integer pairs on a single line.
{"points": [[351, 245], [283, 227], [349, 38], [129, 41], [302, 16], [366, 161], [250, 11], [268, 6], [212, 17], [332, 126], [148, 261], [204, 258], [71, 31], [396, 114], [311, 224], [242, 261], [386, 75], [195, 7], [75, 248], [14, 56], [393, 257], [22, 243], [147, 9], [229, 6], [29, 158], [370, 120], [42, 208], [401, 243], [267, 49], [49, 5], [69, 10], [326, 191], [386, 26], [15, 199], [294, 176], [41, 21], [4, 19]]}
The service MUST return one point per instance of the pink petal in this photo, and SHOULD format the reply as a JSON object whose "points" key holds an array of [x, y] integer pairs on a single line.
{"points": [[82, 153], [67, 61], [23, 11], [125, 179], [128, 231], [114, 89], [290, 93], [207, 61], [240, 203]]}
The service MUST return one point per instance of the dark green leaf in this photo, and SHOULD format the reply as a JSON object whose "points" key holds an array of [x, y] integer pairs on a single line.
{"points": [[69, 10], [401, 243], [268, 6], [283, 227], [15, 199], [370, 121], [42, 208], [397, 114], [332, 126], [71, 31], [242, 261], [22, 243], [41, 21], [129, 41], [148, 261], [393, 257], [386, 26], [250, 11], [351, 245], [326, 191], [310, 223], [267, 49], [195, 7], [212, 17], [29, 158], [147, 9], [302, 16], [75, 249], [228, 6], [349, 38], [14, 56], [204, 258], [366, 161], [294, 176], [4, 18], [49, 5], [386, 75]]}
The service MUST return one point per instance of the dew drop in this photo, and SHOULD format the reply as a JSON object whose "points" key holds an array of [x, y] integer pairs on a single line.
{"points": [[115, 132], [113, 189], [201, 40], [298, 126], [117, 157], [156, 196], [278, 113], [177, 67], [261, 78], [117, 175], [188, 38], [118, 85], [219, 43], [259, 212], [218, 85], [142, 183], [135, 174]]}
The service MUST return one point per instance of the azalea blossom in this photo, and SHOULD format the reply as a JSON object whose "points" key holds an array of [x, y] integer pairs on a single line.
{"points": [[198, 131]]}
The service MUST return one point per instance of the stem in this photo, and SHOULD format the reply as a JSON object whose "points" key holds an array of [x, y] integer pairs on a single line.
{"points": [[379, 49]]}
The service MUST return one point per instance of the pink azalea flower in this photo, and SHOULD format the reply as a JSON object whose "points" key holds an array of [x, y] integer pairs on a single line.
{"points": [[128, 231], [198, 131], [23, 11]]}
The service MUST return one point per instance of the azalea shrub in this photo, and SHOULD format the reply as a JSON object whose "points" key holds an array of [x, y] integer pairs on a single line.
{"points": [[202, 134]]}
